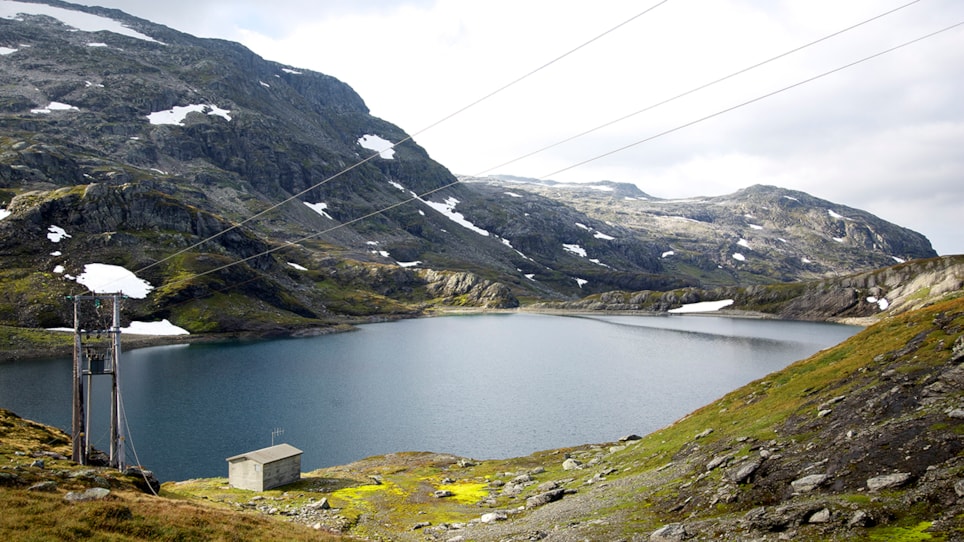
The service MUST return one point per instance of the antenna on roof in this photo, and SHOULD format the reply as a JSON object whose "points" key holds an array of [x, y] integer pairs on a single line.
{"points": [[278, 431]]}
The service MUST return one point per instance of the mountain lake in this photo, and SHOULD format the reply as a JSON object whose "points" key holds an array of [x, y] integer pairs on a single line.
{"points": [[482, 386]]}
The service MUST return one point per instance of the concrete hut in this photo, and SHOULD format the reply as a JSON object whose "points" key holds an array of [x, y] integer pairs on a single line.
{"points": [[265, 468]]}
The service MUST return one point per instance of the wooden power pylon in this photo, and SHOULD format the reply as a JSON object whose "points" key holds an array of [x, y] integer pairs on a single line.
{"points": [[96, 353]]}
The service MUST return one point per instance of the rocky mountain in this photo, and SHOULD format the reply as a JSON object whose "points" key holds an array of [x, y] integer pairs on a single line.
{"points": [[255, 196]]}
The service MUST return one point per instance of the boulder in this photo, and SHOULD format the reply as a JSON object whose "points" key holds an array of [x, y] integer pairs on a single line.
{"points": [[888, 481], [743, 472], [571, 464], [545, 498], [673, 532], [92, 494], [808, 483], [492, 517]]}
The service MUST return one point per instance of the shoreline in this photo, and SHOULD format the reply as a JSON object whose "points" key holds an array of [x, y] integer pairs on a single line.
{"points": [[132, 341]]}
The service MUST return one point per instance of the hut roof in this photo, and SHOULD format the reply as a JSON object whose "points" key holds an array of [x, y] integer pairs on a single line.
{"points": [[269, 454]]}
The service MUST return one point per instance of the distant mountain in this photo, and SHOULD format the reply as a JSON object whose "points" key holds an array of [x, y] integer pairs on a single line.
{"points": [[255, 196]]}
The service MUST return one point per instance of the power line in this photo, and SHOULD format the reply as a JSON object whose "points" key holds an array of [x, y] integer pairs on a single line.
{"points": [[609, 153], [405, 139], [697, 89], [754, 100]]}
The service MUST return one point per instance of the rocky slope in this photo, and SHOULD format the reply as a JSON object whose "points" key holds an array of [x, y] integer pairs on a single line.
{"points": [[253, 197], [862, 441], [857, 298]]}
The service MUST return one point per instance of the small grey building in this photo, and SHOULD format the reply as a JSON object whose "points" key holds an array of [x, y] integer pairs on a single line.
{"points": [[265, 468]]}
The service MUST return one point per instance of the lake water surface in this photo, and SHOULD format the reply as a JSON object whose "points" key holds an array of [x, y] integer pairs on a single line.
{"points": [[481, 386]]}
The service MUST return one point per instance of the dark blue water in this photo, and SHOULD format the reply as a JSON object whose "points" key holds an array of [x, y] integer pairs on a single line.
{"points": [[482, 386]]}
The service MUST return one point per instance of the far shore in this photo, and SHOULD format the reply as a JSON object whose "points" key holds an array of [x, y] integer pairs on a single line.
{"points": [[132, 341]]}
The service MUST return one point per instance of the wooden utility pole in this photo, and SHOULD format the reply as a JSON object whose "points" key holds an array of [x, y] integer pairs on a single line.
{"points": [[92, 358]]}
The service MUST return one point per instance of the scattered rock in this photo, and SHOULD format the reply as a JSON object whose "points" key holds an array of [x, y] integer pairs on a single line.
{"points": [[48, 485], [421, 525], [808, 483], [545, 498], [442, 493], [92, 494], [38, 463], [571, 464], [628, 438], [718, 461], [492, 517], [550, 485], [522, 479], [820, 516], [319, 505], [669, 533], [959, 487], [145, 479], [957, 414], [859, 519], [888, 481], [704, 433], [743, 472]]}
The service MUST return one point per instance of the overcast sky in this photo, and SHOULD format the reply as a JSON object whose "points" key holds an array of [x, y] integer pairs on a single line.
{"points": [[886, 136]]}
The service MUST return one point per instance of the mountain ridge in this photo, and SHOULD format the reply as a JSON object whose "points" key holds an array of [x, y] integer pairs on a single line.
{"points": [[210, 171]]}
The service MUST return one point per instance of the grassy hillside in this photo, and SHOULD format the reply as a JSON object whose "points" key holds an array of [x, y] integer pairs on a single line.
{"points": [[862, 441]]}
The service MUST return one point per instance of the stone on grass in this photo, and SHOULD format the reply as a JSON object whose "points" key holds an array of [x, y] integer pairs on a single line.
{"points": [[888, 481]]}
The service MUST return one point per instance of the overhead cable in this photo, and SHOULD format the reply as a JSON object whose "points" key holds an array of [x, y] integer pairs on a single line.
{"points": [[573, 166], [405, 139], [696, 89]]}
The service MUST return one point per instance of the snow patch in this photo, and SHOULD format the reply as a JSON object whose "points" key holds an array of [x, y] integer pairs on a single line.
{"points": [[839, 239], [319, 208], [7, 51], [895, 258], [265, 85], [667, 254], [513, 194], [85, 22], [57, 234], [882, 303], [54, 106], [97, 44], [806, 260], [738, 256], [409, 264], [164, 327], [104, 278], [791, 198], [755, 227], [374, 143], [703, 306], [59, 269], [743, 243], [838, 216], [581, 282], [292, 72], [56, 253], [603, 236], [4, 213], [447, 208], [298, 267], [575, 249], [583, 226], [177, 114]]}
